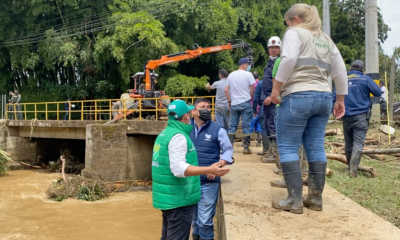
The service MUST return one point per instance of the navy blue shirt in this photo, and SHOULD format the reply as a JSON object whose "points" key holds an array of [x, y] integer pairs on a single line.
{"points": [[358, 99], [267, 85], [66, 106]]}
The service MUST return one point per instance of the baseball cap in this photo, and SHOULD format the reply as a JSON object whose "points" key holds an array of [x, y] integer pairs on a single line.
{"points": [[357, 64], [177, 109], [244, 60]]}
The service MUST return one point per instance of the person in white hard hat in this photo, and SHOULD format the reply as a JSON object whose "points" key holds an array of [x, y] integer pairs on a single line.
{"points": [[274, 48]]}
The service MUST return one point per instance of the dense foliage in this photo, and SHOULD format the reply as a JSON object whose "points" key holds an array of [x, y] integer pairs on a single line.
{"points": [[87, 49]]}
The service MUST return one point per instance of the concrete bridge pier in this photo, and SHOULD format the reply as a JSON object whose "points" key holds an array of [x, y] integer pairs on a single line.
{"points": [[114, 155]]}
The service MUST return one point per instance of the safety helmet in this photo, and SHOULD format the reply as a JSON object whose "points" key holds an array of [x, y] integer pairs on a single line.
{"points": [[274, 41]]}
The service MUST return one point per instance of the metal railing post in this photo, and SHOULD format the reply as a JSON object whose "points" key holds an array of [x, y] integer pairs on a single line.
{"points": [[46, 110], [69, 110], [82, 111], [110, 108], [15, 112], [124, 109], [95, 110], [35, 112]]}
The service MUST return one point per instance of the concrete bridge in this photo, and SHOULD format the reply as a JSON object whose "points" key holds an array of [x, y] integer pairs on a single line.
{"points": [[113, 152]]}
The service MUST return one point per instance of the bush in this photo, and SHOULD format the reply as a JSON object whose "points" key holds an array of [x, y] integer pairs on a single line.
{"points": [[5, 159]]}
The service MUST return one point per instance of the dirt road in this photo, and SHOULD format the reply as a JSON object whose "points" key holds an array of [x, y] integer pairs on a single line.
{"points": [[249, 215], [25, 213]]}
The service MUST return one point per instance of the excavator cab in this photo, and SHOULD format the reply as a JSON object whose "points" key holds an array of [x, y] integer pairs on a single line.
{"points": [[139, 90]]}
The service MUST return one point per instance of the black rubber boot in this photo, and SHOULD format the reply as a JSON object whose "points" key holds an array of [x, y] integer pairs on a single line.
{"points": [[294, 184], [348, 158], [316, 183], [265, 143], [278, 165], [271, 157], [355, 162], [278, 184], [232, 138], [195, 237], [246, 143], [259, 139]]}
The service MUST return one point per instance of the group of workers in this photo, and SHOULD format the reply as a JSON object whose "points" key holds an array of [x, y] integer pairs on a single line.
{"points": [[295, 100]]}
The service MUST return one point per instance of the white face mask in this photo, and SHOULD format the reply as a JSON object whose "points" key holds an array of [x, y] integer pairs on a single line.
{"points": [[273, 58]]}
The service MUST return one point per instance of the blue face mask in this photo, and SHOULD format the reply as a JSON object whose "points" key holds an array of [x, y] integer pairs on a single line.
{"points": [[248, 68]]}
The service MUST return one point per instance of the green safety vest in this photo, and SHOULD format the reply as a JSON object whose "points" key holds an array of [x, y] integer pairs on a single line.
{"points": [[171, 192]]}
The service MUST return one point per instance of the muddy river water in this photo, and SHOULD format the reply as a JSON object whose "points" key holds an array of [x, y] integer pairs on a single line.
{"points": [[25, 213]]}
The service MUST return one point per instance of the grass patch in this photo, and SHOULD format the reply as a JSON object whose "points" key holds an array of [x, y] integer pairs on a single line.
{"points": [[381, 195]]}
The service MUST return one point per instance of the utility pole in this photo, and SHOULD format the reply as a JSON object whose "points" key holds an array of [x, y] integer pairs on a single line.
{"points": [[391, 87], [326, 18], [371, 51]]}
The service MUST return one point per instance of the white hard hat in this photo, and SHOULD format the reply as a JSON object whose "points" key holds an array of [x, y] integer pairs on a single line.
{"points": [[274, 41]]}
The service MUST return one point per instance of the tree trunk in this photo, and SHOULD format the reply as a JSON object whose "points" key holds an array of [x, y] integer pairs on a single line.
{"points": [[382, 151], [342, 159]]}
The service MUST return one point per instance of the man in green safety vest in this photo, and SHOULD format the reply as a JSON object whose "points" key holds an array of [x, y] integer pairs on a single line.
{"points": [[175, 173]]}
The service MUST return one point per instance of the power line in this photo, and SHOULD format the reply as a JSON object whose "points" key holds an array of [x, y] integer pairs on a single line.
{"points": [[79, 23], [137, 19]]}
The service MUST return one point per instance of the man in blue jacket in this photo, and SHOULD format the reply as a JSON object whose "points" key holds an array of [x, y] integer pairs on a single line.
{"points": [[212, 145], [356, 119], [274, 46]]}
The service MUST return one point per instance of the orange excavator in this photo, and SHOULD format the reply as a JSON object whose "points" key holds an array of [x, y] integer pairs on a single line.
{"points": [[147, 89]]}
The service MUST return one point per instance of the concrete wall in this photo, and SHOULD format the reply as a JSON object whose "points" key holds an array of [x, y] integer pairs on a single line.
{"points": [[140, 150], [113, 156], [53, 132], [106, 152], [18, 147]]}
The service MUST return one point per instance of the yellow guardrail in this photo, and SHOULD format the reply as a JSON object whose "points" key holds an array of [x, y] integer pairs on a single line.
{"points": [[98, 110]]}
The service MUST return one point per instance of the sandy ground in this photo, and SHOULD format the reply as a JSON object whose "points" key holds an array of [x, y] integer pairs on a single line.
{"points": [[247, 197]]}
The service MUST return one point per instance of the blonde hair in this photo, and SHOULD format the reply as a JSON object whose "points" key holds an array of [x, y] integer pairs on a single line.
{"points": [[308, 14]]}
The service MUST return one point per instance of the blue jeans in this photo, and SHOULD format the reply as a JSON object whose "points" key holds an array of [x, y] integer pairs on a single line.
{"points": [[269, 120], [204, 211], [302, 118], [223, 116], [355, 130], [243, 111], [66, 116], [255, 124], [261, 120]]}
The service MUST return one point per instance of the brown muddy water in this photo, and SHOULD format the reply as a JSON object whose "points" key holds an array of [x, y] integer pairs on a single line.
{"points": [[26, 213]]}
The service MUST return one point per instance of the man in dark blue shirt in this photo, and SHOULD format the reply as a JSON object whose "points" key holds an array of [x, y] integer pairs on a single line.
{"points": [[355, 120], [212, 146], [274, 46]]}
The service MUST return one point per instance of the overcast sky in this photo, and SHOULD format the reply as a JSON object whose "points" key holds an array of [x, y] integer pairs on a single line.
{"points": [[390, 12]]}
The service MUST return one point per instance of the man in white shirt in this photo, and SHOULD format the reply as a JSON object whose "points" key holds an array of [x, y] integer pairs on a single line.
{"points": [[239, 91]]}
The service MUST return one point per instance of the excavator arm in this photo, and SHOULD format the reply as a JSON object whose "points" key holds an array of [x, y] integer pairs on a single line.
{"points": [[191, 54]]}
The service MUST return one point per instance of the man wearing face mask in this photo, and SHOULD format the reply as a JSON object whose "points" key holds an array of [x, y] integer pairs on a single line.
{"points": [[239, 91], [274, 48], [212, 146], [175, 173]]}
